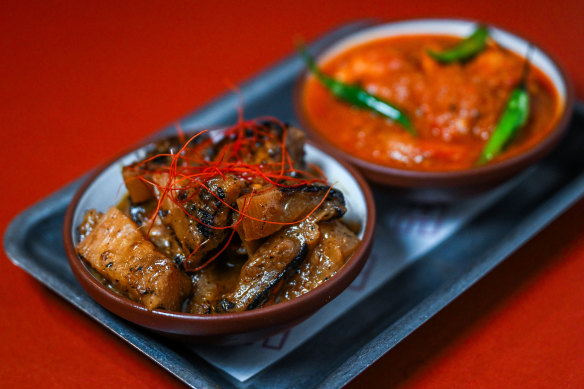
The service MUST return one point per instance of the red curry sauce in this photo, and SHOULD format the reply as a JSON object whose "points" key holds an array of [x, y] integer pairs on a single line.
{"points": [[454, 107]]}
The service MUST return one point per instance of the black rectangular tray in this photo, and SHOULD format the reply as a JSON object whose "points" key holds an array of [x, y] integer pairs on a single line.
{"points": [[363, 334]]}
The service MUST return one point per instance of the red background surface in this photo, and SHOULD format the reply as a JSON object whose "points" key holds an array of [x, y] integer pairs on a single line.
{"points": [[81, 82]]}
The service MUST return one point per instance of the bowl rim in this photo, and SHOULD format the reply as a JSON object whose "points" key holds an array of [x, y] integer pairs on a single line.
{"points": [[226, 323], [441, 179]]}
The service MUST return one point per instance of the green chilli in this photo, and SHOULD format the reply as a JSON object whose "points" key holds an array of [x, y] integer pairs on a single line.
{"points": [[357, 96], [466, 49], [514, 117]]}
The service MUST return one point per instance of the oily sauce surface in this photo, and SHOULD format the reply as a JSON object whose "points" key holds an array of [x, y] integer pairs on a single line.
{"points": [[454, 107]]}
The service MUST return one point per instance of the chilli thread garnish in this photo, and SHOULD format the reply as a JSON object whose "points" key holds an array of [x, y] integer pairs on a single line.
{"points": [[190, 172]]}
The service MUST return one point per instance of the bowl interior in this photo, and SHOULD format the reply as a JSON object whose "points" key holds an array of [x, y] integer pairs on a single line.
{"points": [[456, 28]]}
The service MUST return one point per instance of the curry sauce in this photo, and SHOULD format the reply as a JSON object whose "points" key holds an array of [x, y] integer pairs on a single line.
{"points": [[454, 107]]}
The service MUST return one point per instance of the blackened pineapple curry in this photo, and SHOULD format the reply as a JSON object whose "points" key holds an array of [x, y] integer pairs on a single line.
{"points": [[221, 225]]}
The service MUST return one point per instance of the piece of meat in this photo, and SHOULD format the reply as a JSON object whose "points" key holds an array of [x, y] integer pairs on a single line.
{"points": [[335, 246], [158, 159], [138, 190], [207, 291], [89, 222], [295, 140], [287, 205], [249, 247], [164, 239], [117, 250], [269, 266], [212, 283], [153, 229], [268, 147], [190, 203]]}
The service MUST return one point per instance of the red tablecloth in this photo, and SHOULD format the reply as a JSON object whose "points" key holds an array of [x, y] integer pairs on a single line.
{"points": [[81, 81]]}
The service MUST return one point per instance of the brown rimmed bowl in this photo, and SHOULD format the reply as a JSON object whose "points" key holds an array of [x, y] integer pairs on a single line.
{"points": [[445, 186], [105, 188]]}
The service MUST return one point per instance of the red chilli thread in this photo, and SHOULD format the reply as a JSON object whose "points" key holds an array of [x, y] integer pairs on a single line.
{"points": [[189, 173]]}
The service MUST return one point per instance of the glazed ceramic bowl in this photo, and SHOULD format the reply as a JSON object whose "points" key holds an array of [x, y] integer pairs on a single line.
{"points": [[450, 185], [105, 188]]}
